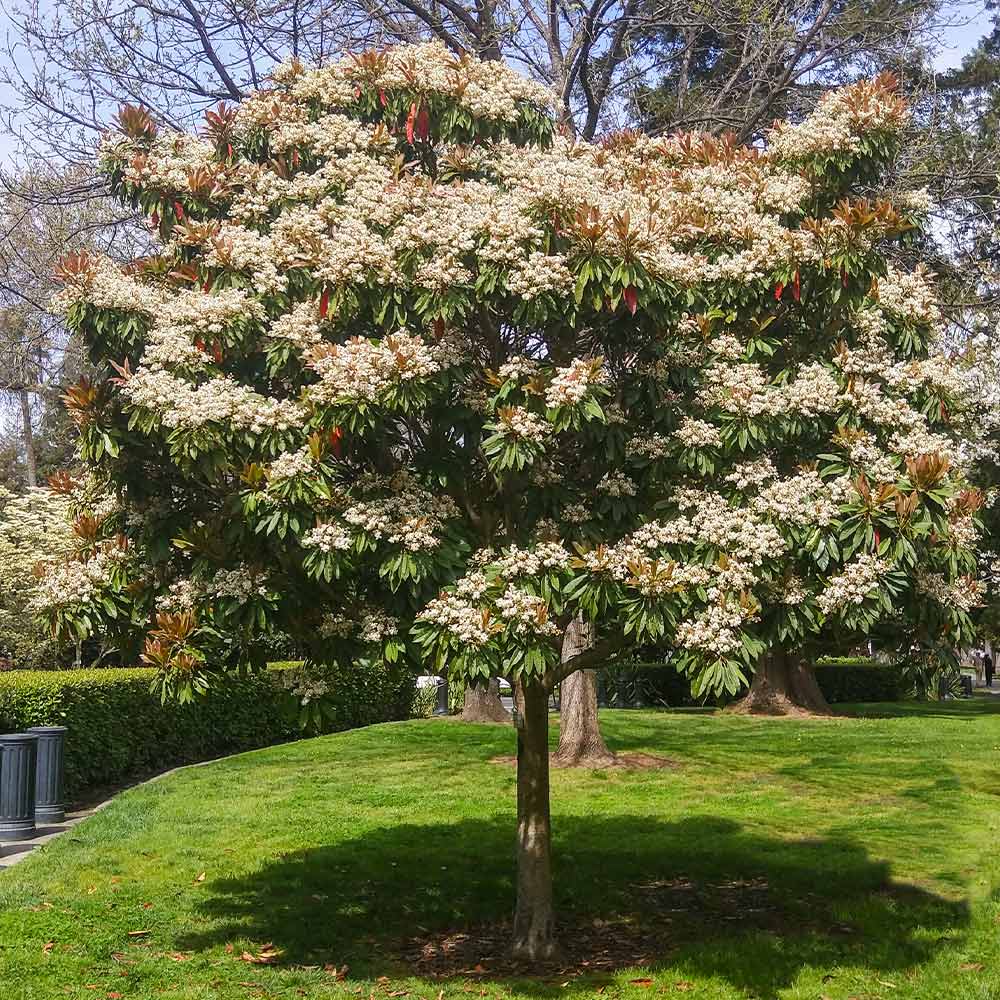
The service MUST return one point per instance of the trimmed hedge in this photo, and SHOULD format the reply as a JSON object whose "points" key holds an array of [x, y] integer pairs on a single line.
{"points": [[849, 679], [841, 679], [118, 728]]}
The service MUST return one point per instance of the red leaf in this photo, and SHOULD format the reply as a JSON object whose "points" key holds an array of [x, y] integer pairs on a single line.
{"points": [[229, 149], [631, 299], [843, 276], [337, 441], [778, 289], [423, 123], [155, 218], [410, 119], [439, 327], [796, 287], [878, 540], [641, 982], [217, 354], [357, 91], [324, 302], [178, 210], [381, 98], [207, 284]]}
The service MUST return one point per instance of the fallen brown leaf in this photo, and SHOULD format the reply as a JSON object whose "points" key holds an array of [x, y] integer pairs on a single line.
{"points": [[268, 955], [641, 982], [972, 966], [200, 878], [138, 933], [48, 946]]}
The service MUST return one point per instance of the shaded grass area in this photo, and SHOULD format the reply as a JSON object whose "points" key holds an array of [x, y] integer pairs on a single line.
{"points": [[842, 858]]}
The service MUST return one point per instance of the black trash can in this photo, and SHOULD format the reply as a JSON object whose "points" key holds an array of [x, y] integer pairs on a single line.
{"points": [[18, 764], [49, 804], [442, 697]]}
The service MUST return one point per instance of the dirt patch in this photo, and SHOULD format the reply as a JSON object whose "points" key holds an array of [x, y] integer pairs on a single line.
{"points": [[619, 761], [673, 912]]}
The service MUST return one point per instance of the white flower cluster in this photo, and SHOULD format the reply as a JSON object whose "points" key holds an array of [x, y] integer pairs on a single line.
{"points": [[303, 685], [519, 422], [716, 630], [751, 473], [328, 537], [860, 577], [541, 558], [414, 518], [695, 433], [650, 446], [241, 584], [487, 89], [378, 627], [965, 594], [364, 369], [616, 484], [467, 623], [525, 614], [517, 368], [74, 581], [799, 500], [539, 273], [290, 464], [180, 403], [572, 384]]}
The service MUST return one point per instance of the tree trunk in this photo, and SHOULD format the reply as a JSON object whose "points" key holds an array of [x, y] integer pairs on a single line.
{"points": [[534, 920], [783, 684], [482, 703], [30, 463], [580, 740]]}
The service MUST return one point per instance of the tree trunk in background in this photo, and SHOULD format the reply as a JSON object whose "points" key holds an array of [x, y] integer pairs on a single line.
{"points": [[534, 918], [580, 740], [783, 684], [28, 437], [482, 703]]}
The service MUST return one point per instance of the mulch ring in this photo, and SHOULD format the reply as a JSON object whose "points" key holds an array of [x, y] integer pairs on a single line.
{"points": [[673, 912], [619, 761]]}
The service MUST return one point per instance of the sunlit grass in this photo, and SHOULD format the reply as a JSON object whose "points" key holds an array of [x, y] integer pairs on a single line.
{"points": [[838, 858]]}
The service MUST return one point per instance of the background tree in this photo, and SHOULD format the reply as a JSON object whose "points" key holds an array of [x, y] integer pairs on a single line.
{"points": [[403, 344]]}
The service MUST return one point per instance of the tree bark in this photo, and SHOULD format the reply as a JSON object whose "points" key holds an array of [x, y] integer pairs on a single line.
{"points": [[580, 740], [534, 918], [783, 684], [28, 437], [482, 703]]}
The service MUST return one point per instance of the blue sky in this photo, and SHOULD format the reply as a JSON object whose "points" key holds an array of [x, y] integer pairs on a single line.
{"points": [[969, 21]]}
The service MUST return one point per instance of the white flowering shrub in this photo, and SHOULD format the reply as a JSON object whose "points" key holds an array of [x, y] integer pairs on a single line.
{"points": [[416, 375], [35, 529]]}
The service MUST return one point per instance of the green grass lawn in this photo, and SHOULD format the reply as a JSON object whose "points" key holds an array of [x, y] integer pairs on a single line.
{"points": [[831, 859]]}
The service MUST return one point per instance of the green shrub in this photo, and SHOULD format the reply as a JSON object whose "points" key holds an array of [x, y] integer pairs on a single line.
{"points": [[840, 678], [119, 729], [859, 679]]}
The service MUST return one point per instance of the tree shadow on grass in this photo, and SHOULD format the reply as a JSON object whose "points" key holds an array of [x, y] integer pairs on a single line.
{"points": [[702, 896]]}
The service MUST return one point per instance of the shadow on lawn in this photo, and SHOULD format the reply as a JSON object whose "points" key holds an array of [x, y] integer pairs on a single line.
{"points": [[702, 895]]}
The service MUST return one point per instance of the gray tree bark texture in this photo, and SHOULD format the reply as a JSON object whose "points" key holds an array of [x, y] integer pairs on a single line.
{"points": [[534, 917], [580, 740], [783, 684], [482, 704]]}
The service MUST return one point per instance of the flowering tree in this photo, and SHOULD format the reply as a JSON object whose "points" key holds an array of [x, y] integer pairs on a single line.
{"points": [[418, 376]]}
